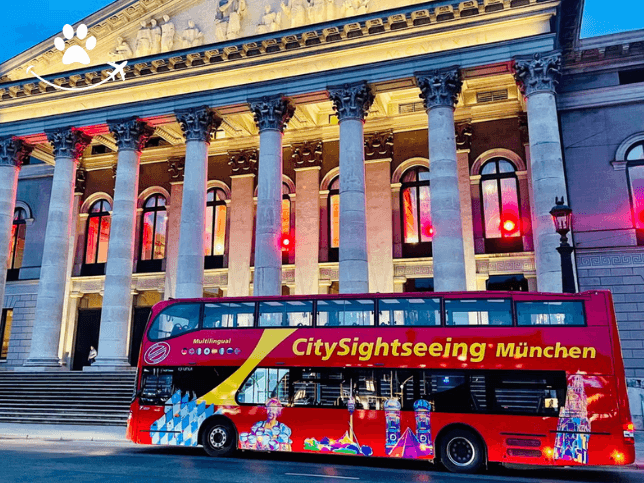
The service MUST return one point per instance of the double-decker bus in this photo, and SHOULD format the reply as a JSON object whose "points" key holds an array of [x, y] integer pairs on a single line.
{"points": [[461, 378]]}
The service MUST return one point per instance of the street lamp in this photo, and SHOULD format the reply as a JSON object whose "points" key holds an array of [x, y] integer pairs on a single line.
{"points": [[562, 215]]}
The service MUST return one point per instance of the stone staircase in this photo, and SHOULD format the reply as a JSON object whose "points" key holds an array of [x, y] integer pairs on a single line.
{"points": [[81, 398]]}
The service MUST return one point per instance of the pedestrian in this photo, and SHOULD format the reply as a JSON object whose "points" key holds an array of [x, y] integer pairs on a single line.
{"points": [[92, 355]]}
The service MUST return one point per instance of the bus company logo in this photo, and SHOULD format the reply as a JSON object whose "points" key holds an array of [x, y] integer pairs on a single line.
{"points": [[157, 353]]}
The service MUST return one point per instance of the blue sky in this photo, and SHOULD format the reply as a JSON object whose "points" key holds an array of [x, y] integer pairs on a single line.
{"points": [[27, 23]]}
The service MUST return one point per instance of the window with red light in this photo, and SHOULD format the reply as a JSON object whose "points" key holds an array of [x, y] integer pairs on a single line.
{"points": [[415, 206], [287, 240], [153, 228], [500, 199], [98, 232], [215, 222], [635, 159], [18, 233], [334, 213]]}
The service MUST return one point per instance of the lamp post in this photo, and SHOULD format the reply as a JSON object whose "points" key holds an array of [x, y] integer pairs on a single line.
{"points": [[562, 215]]}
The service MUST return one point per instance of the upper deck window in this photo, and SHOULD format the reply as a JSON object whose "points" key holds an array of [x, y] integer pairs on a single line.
{"points": [[551, 313], [478, 312], [411, 312], [229, 315], [174, 320], [290, 313], [347, 313]]}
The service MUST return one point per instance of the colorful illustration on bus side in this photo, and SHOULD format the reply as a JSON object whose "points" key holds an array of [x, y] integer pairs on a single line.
{"points": [[348, 444], [409, 445], [573, 428], [179, 425], [269, 435]]}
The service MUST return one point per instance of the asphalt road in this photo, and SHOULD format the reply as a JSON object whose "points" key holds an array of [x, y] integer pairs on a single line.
{"points": [[33, 461]]}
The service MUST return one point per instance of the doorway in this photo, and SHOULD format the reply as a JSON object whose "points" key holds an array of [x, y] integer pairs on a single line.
{"points": [[87, 332], [139, 322]]}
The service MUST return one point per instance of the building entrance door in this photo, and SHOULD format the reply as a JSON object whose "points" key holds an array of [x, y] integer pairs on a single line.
{"points": [[141, 315], [87, 330]]}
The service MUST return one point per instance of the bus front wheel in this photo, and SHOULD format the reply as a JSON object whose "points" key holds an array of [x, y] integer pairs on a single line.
{"points": [[219, 438], [462, 451]]}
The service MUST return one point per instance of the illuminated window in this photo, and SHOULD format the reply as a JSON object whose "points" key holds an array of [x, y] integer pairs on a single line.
{"points": [[635, 159], [415, 208], [500, 206], [288, 254], [5, 332], [215, 227], [18, 232], [334, 219], [98, 236], [153, 228]]}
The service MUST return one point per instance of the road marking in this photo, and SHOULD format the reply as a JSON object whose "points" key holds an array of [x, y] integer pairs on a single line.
{"points": [[323, 476]]}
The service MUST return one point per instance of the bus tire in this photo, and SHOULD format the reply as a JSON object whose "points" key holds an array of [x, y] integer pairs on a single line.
{"points": [[462, 451], [219, 438]]}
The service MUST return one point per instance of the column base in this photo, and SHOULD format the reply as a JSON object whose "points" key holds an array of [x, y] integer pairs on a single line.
{"points": [[42, 364], [110, 365]]}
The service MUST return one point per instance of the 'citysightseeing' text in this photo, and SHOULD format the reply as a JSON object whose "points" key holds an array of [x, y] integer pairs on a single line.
{"points": [[463, 351]]}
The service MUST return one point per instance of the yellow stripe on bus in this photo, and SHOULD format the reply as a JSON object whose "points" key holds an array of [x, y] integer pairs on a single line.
{"points": [[224, 394]]}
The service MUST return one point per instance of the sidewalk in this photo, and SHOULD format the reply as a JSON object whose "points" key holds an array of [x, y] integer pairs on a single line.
{"points": [[60, 432]]}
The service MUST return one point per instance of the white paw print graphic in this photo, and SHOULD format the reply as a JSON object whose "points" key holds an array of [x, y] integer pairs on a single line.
{"points": [[75, 53]]}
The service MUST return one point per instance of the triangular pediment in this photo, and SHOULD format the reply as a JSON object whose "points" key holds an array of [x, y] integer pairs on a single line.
{"points": [[127, 30]]}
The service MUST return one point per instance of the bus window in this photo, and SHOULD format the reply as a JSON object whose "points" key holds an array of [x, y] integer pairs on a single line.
{"points": [[398, 384], [527, 393], [292, 313], [174, 320], [478, 312], [228, 316], [412, 312], [264, 384], [347, 313], [551, 313]]}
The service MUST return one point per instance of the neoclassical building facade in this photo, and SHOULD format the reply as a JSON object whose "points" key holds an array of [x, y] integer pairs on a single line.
{"points": [[314, 147]]}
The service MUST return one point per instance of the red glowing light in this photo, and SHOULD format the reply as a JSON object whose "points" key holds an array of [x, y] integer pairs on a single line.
{"points": [[286, 242], [509, 224]]}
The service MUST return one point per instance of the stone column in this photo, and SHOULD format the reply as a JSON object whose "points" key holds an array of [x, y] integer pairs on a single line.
{"points": [[68, 145], [537, 77], [176, 169], [271, 115], [197, 125], [13, 152], [463, 141], [352, 102], [131, 135], [307, 218], [439, 91], [243, 169]]}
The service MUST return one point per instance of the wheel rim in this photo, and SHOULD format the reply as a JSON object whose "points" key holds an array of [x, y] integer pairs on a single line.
{"points": [[460, 451], [218, 437]]}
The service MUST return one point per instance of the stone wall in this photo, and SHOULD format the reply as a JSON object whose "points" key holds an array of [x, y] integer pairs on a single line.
{"points": [[21, 297]]}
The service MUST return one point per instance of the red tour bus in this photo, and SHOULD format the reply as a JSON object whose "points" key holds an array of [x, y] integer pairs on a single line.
{"points": [[461, 378]]}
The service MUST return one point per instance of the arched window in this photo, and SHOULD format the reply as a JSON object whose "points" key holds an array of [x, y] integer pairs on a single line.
{"points": [[98, 236], [635, 163], [334, 219], [18, 232], [500, 203], [288, 253], [153, 234], [415, 207], [215, 228]]}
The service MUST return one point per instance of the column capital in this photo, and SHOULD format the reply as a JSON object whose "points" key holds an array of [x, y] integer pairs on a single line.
{"points": [[538, 72], [379, 145], [351, 101], [130, 133], [307, 154], [176, 167], [198, 123], [463, 135], [243, 162], [272, 113], [68, 142], [439, 88], [14, 152]]}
